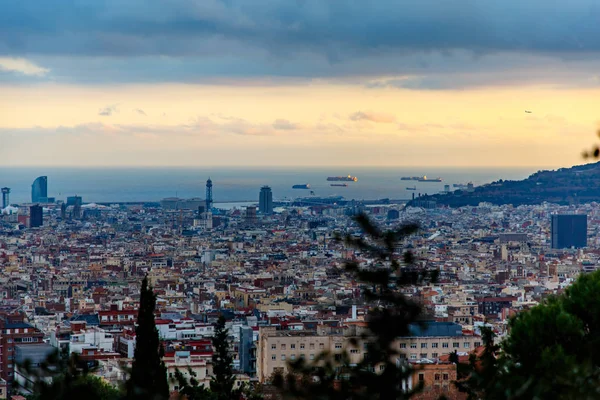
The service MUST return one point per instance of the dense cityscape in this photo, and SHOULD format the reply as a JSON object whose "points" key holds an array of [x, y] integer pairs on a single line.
{"points": [[71, 274]]}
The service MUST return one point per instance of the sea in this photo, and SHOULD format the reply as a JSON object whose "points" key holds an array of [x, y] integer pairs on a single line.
{"points": [[234, 185]]}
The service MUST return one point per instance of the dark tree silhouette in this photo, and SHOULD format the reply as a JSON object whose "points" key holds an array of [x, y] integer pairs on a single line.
{"points": [[223, 378], [148, 378], [381, 372]]}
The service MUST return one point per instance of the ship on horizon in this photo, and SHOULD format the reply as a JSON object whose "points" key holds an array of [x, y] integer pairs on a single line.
{"points": [[423, 178], [302, 186], [411, 188], [339, 184], [348, 178]]}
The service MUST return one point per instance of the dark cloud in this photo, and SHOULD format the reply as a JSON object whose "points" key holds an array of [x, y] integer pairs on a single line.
{"points": [[140, 111], [108, 110], [189, 40]]}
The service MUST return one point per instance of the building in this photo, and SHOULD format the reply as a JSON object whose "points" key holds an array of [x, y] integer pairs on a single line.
{"points": [[250, 215], [36, 216], [39, 190], [15, 332], [247, 351], [429, 341], [74, 200], [265, 201], [5, 197], [569, 231]]}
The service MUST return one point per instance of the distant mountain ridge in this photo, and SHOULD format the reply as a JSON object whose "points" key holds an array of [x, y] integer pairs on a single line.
{"points": [[578, 184]]}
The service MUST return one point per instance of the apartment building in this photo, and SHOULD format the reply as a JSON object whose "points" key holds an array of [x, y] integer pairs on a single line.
{"points": [[430, 340]]}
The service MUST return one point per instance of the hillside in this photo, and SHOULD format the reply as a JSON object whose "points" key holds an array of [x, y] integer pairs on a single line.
{"points": [[579, 184]]}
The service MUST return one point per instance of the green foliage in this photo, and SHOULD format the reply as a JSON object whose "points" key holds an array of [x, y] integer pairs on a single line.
{"points": [[381, 371], [191, 389], [223, 378], [551, 351], [61, 377], [148, 380]]}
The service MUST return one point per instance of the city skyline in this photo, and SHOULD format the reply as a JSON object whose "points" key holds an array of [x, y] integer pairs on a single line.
{"points": [[298, 84]]}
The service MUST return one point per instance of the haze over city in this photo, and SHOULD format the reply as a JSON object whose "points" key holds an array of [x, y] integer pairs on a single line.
{"points": [[266, 83]]}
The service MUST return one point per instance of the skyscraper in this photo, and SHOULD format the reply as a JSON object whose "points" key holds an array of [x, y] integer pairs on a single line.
{"points": [[209, 199], [36, 216], [265, 200], [39, 190], [569, 230], [5, 197]]}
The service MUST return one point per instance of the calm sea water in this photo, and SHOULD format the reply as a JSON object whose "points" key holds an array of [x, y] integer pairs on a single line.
{"points": [[238, 184]]}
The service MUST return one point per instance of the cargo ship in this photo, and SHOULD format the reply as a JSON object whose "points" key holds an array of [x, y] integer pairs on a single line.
{"points": [[348, 178], [420, 179], [426, 179], [304, 186], [339, 184], [411, 188]]}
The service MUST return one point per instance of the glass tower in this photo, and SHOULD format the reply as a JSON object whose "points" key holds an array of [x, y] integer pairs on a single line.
{"points": [[39, 190]]}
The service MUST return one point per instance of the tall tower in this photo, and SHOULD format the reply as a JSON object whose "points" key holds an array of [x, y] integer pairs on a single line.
{"points": [[39, 190], [209, 199], [5, 197], [265, 200]]}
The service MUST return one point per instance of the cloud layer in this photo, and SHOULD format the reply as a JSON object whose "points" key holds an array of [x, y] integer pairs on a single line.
{"points": [[191, 41]]}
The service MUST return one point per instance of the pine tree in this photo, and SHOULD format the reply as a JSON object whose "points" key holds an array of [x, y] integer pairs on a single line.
{"points": [[223, 379], [148, 378], [380, 374]]}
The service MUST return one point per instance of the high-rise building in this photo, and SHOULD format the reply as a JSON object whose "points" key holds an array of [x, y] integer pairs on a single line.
{"points": [[568, 231], [5, 197], [36, 216], [250, 214], [39, 190], [265, 200], [72, 200], [209, 198]]}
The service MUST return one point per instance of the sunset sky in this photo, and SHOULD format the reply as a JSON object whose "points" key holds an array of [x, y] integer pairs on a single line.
{"points": [[298, 82]]}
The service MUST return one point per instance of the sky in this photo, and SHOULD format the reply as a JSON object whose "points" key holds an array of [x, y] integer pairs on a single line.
{"points": [[298, 82]]}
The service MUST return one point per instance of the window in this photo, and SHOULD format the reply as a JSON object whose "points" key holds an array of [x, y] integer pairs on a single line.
{"points": [[421, 377], [311, 346], [292, 346], [413, 345], [283, 357], [423, 355], [338, 345], [437, 377], [381, 367], [477, 344], [302, 356], [283, 347], [312, 356], [354, 351], [403, 356], [413, 356], [445, 377], [434, 345], [273, 357], [321, 346], [434, 355], [423, 345], [466, 345], [273, 346], [402, 345], [293, 357], [455, 344], [301, 346], [445, 345]]}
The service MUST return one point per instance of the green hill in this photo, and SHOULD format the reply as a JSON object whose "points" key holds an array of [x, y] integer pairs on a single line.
{"points": [[579, 184]]}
